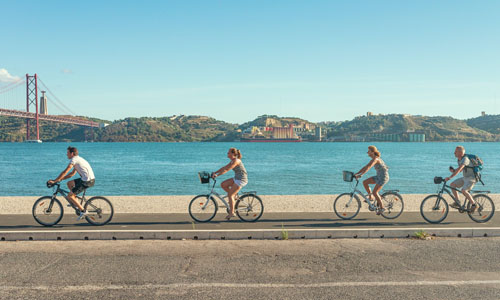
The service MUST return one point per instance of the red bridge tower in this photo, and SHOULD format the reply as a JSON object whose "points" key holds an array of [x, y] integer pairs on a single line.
{"points": [[32, 99]]}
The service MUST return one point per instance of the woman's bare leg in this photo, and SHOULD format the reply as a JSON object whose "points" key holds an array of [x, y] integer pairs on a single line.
{"points": [[377, 189], [226, 185], [366, 183], [232, 189]]}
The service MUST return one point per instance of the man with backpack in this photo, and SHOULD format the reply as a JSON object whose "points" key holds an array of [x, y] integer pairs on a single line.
{"points": [[468, 166]]}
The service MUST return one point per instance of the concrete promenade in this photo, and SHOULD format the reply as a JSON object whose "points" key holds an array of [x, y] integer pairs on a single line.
{"points": [[299, 216]]}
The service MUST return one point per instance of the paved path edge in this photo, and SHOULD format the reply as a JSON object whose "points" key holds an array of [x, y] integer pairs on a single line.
{"points": [[235, 234]]}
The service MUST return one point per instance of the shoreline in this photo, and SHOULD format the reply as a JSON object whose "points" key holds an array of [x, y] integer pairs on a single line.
{"points": [[10, 205]]}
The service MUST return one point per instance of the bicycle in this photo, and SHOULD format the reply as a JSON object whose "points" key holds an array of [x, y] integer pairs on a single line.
{"points": [[434, 208], [48, 210], [203, 208], [347, 205]]}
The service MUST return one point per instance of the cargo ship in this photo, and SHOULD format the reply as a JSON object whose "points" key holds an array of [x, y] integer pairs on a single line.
{"points": [[270, 140]]}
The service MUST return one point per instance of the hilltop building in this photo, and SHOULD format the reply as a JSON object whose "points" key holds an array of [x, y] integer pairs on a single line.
{"points": [[317, 133], [284, 132], [398, 137], [43, 104]]}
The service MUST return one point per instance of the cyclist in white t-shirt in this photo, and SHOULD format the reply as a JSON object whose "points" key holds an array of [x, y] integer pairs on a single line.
{"points": [[82, 167]]}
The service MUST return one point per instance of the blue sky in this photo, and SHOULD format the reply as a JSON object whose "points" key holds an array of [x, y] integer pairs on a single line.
{"points": [[236, 60]]}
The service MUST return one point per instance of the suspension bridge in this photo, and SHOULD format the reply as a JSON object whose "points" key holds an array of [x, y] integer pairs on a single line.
{"points": [[13, 95]]}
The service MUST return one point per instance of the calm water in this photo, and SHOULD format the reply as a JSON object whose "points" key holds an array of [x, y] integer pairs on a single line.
{"points": [[274, 168]]}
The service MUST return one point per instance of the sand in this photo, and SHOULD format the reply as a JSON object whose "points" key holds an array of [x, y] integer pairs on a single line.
{"points": [[179, 204]]}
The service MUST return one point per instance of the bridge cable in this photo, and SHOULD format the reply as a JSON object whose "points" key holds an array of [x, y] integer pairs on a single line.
{"points": [[11, 86], [66, 110]]}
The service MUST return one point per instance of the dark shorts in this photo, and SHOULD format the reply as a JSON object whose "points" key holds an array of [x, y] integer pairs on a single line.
{"points": [[81, 185]]}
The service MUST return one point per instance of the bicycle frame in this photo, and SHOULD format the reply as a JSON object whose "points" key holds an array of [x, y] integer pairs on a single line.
{"points": [[371, 205], [64, 193], [447, 188], [223, 198]]}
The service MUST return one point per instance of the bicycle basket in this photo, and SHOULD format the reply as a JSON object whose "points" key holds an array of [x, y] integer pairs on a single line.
{"points": [[438, 180], [204, 177], [348, 176]]}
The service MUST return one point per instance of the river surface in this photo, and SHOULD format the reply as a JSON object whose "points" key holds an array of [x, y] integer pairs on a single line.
{"points": [[273, 168]]}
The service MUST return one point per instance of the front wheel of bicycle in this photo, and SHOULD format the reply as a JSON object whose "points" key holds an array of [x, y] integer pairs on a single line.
{"points": [[347, 206], [249, 208], [434, 209], [99, 211], [202, 208], [485, 209], [47, 211], [393, 204]]}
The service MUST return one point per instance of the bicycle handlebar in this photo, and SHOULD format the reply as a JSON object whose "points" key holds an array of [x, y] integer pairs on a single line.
{"points": [[439, 180], [53, 184]]}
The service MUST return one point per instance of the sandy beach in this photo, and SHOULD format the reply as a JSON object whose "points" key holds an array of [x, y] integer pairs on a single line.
{"points": [[179, 204]]}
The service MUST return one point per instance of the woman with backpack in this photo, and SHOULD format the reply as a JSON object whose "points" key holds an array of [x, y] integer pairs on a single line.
{"points": [[379, 180], [233, 185]]}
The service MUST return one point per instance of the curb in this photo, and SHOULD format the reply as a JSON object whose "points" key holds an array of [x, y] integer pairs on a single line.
{"points": [[258, 234]]}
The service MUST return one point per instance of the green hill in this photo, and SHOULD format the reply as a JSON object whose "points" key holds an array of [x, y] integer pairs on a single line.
{"points": [[434, 128], [14, 130], [207, 129], [489, 123], [166, 129]]}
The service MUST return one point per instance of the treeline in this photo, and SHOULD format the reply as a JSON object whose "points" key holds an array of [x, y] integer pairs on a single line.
{"points": [[166, 129], [484, 128], [207, 129]]}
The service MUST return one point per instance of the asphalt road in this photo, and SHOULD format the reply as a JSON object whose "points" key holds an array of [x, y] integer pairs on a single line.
{"points": [[268, 221], [442, 268]]}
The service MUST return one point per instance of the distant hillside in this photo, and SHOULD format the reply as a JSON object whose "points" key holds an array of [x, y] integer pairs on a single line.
{"points": [[14, 130], [434, 128], [167, 129], [207, 129], [489, 123]]}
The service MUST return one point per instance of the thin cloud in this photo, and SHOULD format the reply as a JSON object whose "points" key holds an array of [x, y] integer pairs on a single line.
{"points": [[67, 71], [6, 77]]}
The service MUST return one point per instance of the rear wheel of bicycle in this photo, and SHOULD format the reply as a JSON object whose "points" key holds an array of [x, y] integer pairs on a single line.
{"points": [[485, 209], [202, 208], [434, 209], [393, 204], [47, 212], [346, 206], [99, 211], [249, 208]]}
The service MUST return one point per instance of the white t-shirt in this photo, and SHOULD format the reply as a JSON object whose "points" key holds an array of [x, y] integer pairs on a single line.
{"points": [[83, 168]]}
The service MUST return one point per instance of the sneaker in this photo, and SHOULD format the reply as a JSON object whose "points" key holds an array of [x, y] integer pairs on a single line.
{"points": [[454, 205], [380, 211], [82, 214], [473, 208]]}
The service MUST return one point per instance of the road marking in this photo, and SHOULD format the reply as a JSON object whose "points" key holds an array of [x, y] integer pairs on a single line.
{"points": [[253, 285]]}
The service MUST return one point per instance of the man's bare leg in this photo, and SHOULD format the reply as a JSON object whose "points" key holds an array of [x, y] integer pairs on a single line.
{"points": [[72, 197]]}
